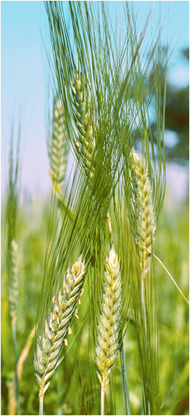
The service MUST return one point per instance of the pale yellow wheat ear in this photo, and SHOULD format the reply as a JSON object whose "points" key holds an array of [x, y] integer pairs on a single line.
{"points": [[85, 143], [49, 343], [109, 326], [143, 221], [13, 290], [57, 147], [144, 215]]}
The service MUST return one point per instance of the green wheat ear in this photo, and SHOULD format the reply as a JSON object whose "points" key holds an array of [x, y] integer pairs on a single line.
{"points": [[57, 147], [13, 290], [109, 327], [85, 143], [144, 222], [50, 342]]}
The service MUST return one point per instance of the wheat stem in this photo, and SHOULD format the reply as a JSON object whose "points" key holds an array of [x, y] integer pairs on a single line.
{"points": [[41, 402], [24, 353], [102, 399], [143, 303], [125, 379], [13, 327]]}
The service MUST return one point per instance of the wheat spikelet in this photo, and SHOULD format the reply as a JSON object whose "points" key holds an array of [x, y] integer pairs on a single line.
{"points": [[109, 326], [57, 147], [144, 217], [13, 281], [83, 118], [50, 343]]}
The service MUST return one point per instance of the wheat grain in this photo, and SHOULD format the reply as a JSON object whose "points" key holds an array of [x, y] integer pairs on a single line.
{"points": [[50, 342], [109, 326]]}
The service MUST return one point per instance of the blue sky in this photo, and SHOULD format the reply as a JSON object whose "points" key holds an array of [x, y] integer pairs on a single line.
{"points": [[24, 76]]}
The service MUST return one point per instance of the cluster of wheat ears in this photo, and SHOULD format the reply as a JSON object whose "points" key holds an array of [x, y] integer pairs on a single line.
{"points": [[109, 211], [109, 331]]}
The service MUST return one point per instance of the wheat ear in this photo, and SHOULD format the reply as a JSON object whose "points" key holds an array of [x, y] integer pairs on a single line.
{"points": [[109, 326], [85, 143], [57, 147], [145, 222], [122, 353], [50, 342], [13, 282]]}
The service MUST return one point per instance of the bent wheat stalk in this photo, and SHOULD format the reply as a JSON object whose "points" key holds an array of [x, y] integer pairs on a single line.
{"points": [[50, 342], [109, 327], [169, 274]]}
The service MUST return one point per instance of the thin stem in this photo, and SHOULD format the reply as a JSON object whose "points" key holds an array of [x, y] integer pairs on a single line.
{"points": [[143, 304], [145, 329], [102, 398], [24, 353], [125, 380], [41, 402], [13, 325]]}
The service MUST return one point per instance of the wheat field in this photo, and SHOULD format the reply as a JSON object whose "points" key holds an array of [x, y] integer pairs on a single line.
{"points": [[95, 276]]}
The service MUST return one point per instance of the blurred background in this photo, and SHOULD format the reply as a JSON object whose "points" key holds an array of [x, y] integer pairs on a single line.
{"points": [[25, 85], [25, 81]]}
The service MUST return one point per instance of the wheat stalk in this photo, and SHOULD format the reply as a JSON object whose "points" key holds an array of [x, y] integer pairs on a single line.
{"points": [[109, 326], [50, 342]]}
